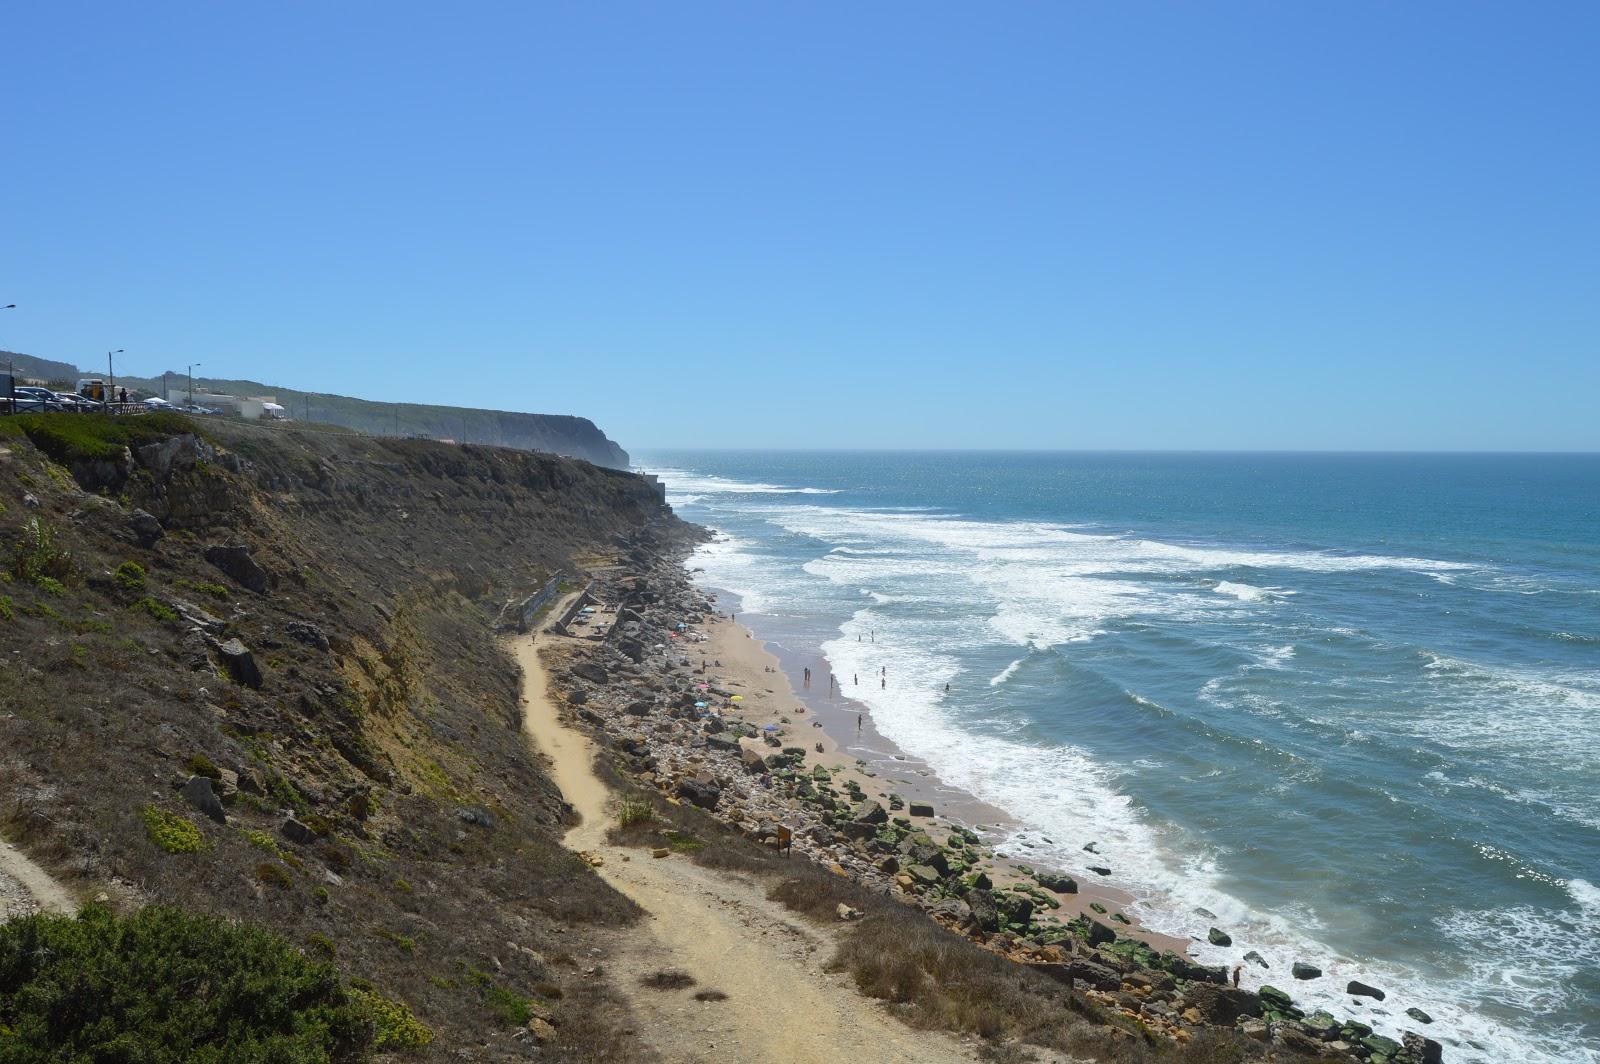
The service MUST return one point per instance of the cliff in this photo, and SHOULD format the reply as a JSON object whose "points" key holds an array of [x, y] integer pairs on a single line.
{"points": [[255, 675], [563, 434]]}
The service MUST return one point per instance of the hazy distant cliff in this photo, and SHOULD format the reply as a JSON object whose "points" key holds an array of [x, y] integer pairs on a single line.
{"points": [[553, 433]]}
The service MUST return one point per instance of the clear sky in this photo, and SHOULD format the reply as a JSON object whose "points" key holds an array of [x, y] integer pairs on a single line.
{"points": [[1120, 225]]}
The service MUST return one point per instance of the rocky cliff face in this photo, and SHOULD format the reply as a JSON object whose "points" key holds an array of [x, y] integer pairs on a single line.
{"points": [[254, 674]]}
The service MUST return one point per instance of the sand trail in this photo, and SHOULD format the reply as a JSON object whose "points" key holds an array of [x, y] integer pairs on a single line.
{"points": [[26, 888], [723, 931]]}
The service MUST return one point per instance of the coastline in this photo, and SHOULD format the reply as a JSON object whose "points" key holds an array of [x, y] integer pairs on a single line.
{"points": [[691, 704], [746, 655]]}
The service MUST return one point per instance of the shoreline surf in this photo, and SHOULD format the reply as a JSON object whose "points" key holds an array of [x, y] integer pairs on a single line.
{"points": [[1449, 967]]}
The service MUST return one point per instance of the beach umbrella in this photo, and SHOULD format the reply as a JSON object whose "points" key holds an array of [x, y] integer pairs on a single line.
{"points": [[770, 727], [699, 705], [737, 698]]}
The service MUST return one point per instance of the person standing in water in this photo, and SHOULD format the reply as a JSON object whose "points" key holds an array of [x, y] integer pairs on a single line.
{"points": [[858, 723]]}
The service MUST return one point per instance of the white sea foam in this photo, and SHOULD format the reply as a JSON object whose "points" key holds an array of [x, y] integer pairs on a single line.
{"points": [[1006, 673], [1036, 585], [678, 482], [1058, 792]]}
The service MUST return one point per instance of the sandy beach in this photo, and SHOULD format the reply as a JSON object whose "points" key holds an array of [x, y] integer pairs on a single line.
{"points": [[771, 679]]}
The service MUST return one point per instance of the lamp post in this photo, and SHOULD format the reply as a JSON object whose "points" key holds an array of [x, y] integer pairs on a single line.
{"points": [[192, 365], [11, 374], [111, 378]]}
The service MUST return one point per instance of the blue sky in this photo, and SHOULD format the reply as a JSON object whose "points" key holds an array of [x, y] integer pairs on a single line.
{"points": [[1139, 225]]}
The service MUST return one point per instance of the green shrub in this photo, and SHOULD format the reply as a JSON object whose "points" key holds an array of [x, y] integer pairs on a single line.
{"points": [[130, 575], [634, 810], [164, 985], [51, 586], [201, 765], [36, 556], [72, 437], [161, 612], [273, 875], [322, 944], [262, 841], [8, 610], [172, 832], [508, 1006], [394, 1026], [216, 591]]}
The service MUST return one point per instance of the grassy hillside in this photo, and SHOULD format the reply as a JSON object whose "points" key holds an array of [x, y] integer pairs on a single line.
{"points": [[303, 621]]}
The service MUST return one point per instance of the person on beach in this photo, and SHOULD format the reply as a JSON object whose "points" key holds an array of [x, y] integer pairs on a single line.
{"points": [[1237, 968], [883, 683], [858, 722], [855, 678]]}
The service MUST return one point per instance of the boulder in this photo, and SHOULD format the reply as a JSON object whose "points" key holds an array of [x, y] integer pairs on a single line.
{"points": [[474, 815], [920, 809], [1274, 998], [1418, 1015], [1058, 883], [848, 913], [1018, 908], [1255, 958], [869, 812], [309, 634], [595, 674], [1218, 937], [235, 562], [1377, 1043], [1301, 970], [1424, 1050], [1100, 934], [984, 912], [1221, 1005], [144, 528], [240, 663], [198, 793], [173, 453], [295, 831], [1356, 988], [196, 617], [639, 708], [1296, 1040], [1100, 870], [704, 795], [752, 759], [577, 696]]}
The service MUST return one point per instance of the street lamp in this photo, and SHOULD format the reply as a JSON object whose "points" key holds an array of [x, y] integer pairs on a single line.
{"points": [[192, 365], [11, 374], [111, 378]]}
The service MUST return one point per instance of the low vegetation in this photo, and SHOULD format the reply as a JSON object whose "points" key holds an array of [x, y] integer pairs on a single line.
{"points": [[76, 437], [172, 831], [163, 985]]}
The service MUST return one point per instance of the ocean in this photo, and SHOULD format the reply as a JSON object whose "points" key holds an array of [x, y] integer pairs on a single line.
{"points": [[1348, 704]]}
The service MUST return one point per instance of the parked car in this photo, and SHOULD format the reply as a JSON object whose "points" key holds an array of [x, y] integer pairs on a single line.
{"points": [[45, 396]]}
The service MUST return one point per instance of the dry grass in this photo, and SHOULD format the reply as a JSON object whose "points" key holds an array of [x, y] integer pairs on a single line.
{"points": [[667, 979]]}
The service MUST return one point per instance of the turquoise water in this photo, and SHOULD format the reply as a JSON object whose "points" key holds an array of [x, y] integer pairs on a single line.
{"points": [[1350, 704]]}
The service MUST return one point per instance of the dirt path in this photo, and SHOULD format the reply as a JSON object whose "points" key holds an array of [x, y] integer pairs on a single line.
{"points": [[25, 888], [722, 930]]}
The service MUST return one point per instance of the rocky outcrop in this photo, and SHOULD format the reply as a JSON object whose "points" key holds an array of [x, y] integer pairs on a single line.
{"points": [[235, 562]]}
